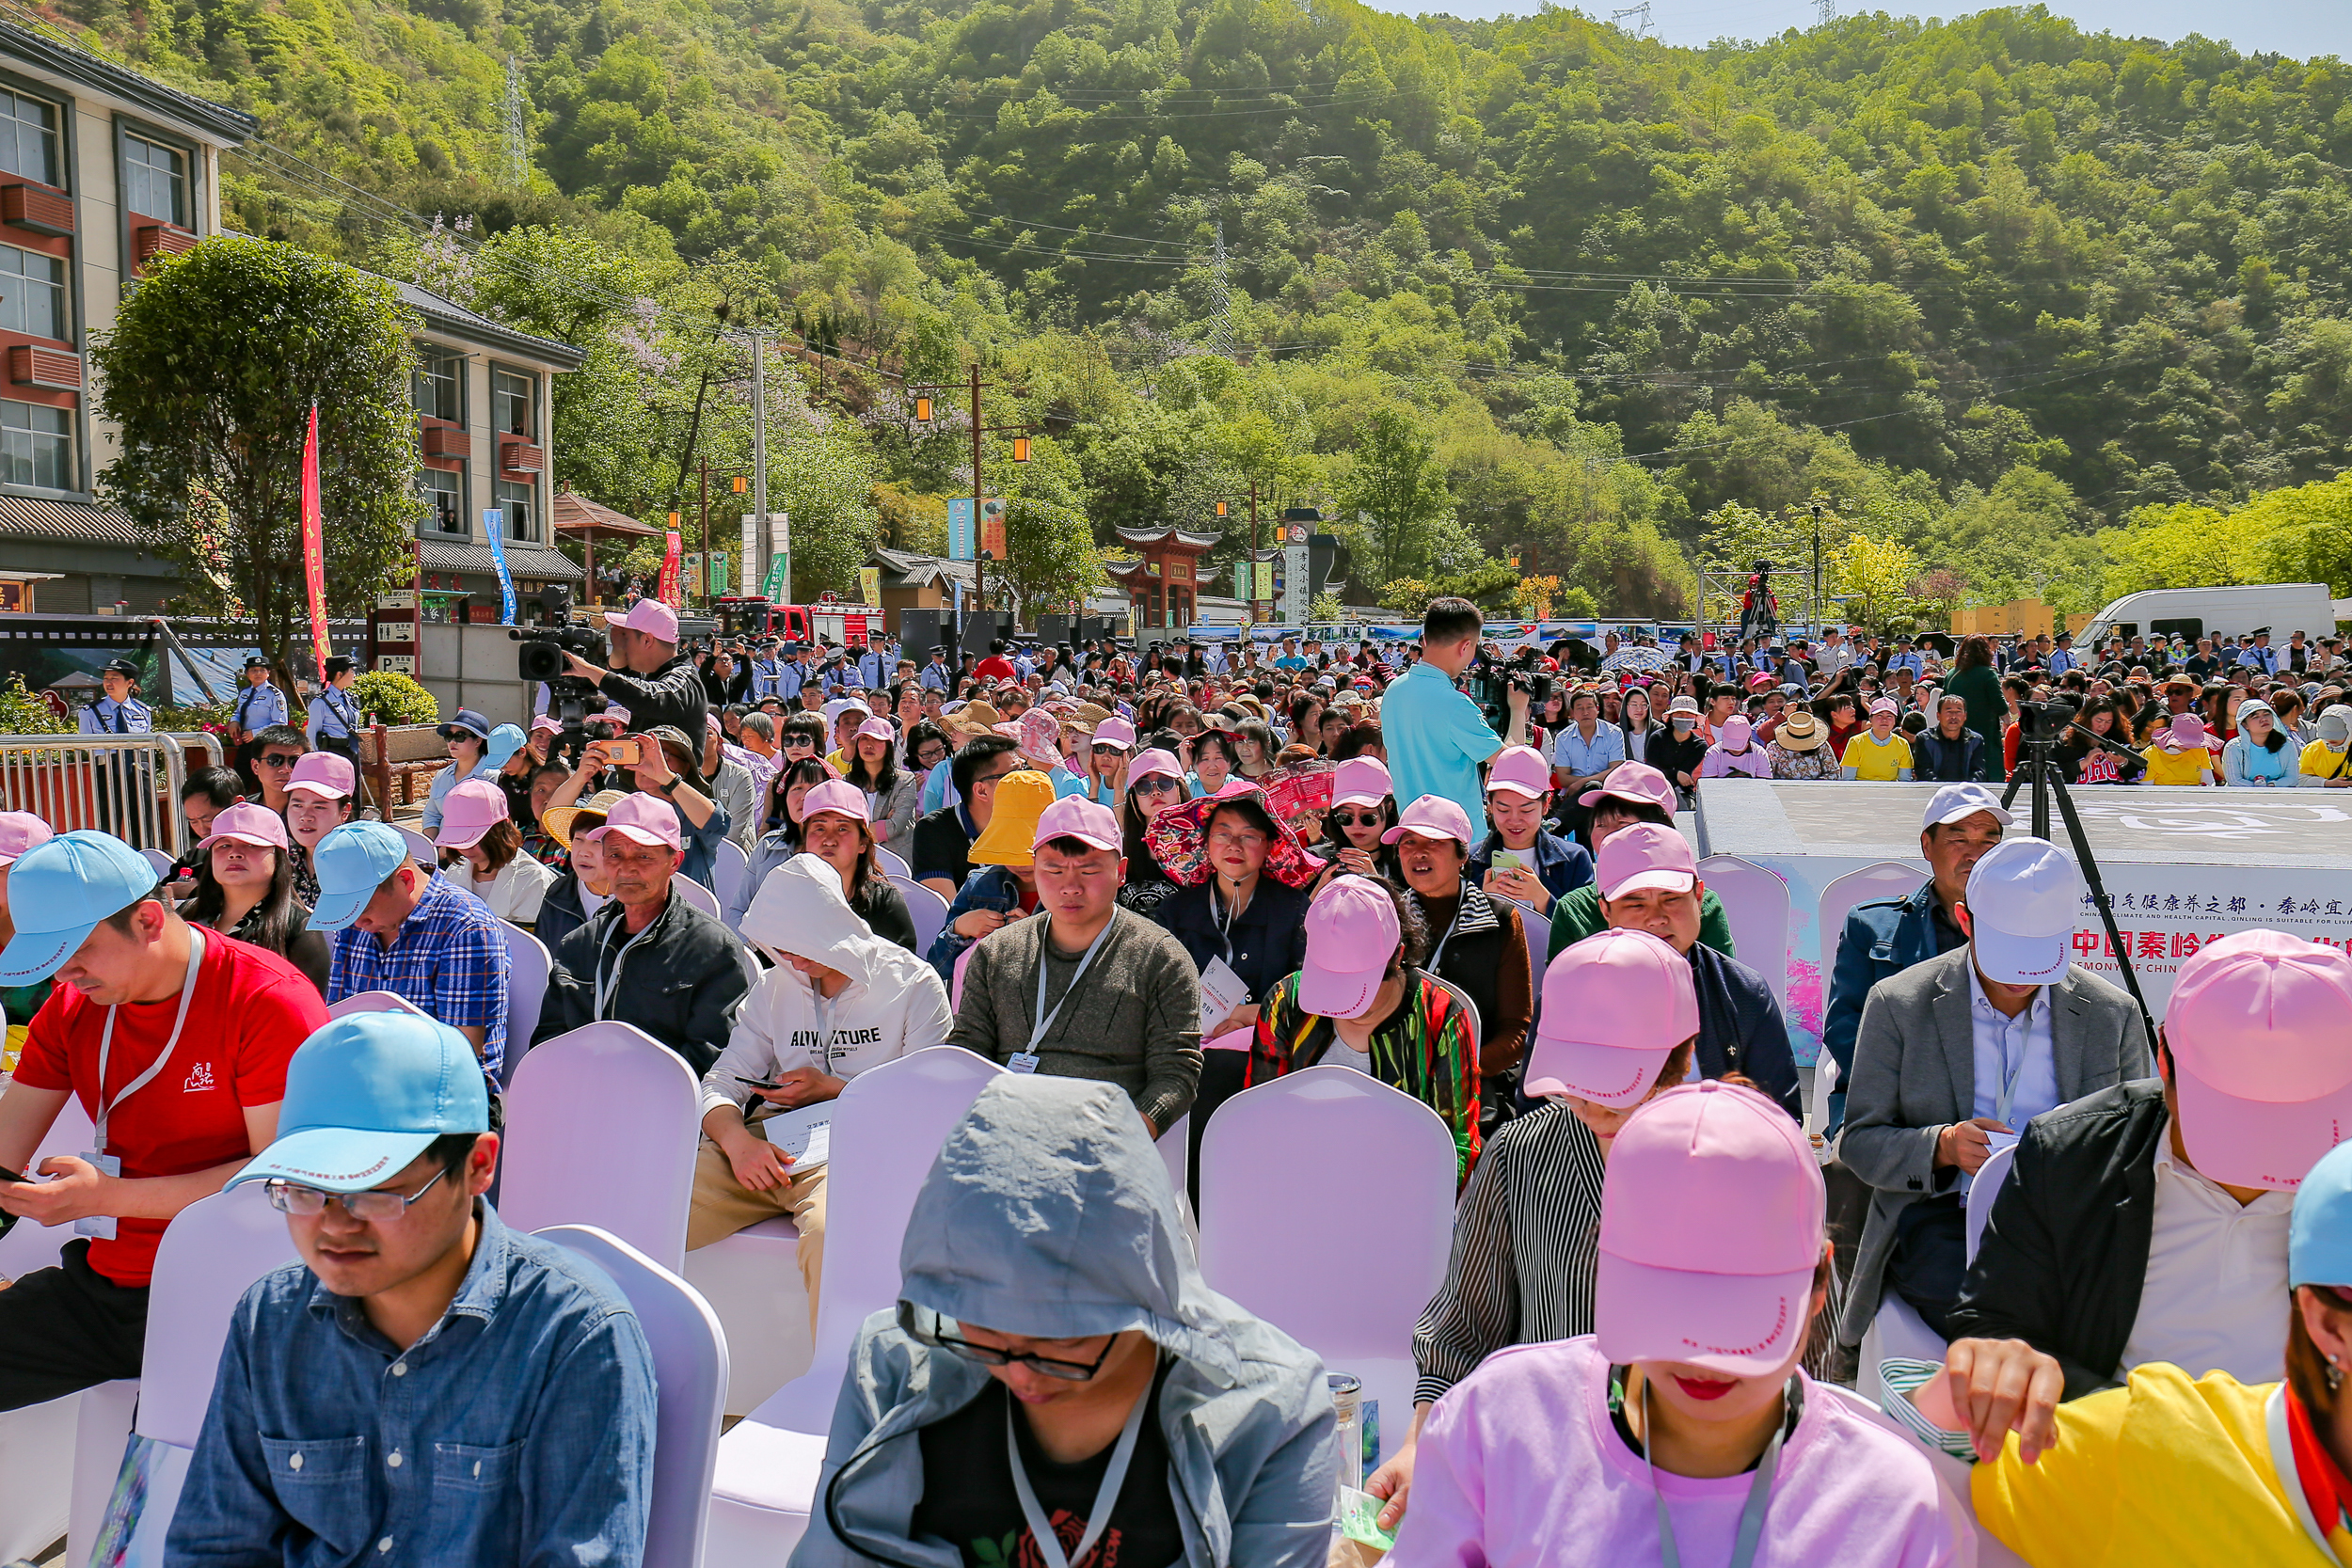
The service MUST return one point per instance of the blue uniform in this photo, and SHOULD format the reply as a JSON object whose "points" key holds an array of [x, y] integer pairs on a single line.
{"points": [[108, 717], [258, 707]]}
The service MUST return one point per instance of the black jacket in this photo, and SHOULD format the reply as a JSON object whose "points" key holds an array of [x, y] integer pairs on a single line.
{"points": [[1947, 761], [678, 981], [671, 695], [1742, 1029], [560, 912], [2065, 1251]]}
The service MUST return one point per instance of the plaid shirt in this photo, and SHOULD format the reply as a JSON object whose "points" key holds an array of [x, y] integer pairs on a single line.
{"points": [[1424, 1050], [450, 959]]}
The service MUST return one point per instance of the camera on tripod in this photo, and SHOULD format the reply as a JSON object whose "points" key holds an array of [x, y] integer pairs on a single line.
{"points": [[2044, 724], [541, 655]]}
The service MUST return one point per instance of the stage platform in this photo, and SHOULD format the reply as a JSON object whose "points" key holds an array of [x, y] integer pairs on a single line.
{"points": [[2185, 865]]}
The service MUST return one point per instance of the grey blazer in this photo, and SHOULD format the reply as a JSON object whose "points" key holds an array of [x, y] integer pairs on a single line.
{"points": [[1914, 1073]]}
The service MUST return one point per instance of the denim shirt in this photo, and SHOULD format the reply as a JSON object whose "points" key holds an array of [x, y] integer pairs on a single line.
{"points": [[518, 1430]]}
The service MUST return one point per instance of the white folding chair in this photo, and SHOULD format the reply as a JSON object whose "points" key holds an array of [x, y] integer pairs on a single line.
{"points": [[602, 1128], [161, 860], [697, 894], [1755, 901], [37, 1443], [690, 1363], [1896, 1332], [892, 864], [1983, 1190], [528, 965], [1880, 880], [928, 908], [1322, 1137], [374, 1002], [729, 866], [887, 1129], [420, 847]]}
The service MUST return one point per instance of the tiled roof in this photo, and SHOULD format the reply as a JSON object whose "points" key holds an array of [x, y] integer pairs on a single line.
{"points": [[455, 319], [522, 560], [32, 517], [576, 514]]}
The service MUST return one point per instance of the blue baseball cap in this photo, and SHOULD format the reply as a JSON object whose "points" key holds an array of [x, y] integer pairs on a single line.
{"points": [[350, 863], [2319, 1237], [367, 1094], [58, 894], [502, 743]]}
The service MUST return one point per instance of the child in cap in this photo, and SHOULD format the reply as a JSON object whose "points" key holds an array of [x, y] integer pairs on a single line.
{"points": [[1681, 1430], [1878, 754], [1733, 753], [2179, 754]]}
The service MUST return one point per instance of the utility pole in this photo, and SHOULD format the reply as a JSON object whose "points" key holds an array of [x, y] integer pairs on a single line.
{"points": [[980, 531], [760, 464], [1824, 12], [1253, 550], [1222, 345]]}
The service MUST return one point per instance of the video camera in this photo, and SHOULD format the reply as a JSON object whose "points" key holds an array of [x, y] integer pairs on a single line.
{"points": [[2046, 723], [541, 657]]}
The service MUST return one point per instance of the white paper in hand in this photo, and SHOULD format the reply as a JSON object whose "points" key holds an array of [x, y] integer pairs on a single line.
{"points": [[1221, 991], [805, 1134]]}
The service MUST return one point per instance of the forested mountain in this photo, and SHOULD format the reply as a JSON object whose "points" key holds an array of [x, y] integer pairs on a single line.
{"points": [[1986, 285]]}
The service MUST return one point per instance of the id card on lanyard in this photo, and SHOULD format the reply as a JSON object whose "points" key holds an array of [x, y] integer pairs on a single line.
{"points": [[1025, 1059], [102, 1227]]}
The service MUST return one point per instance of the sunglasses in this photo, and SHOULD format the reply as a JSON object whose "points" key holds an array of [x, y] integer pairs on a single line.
{"points": [[1358, 818], [282, 759], [1158, 783], [796, 743], [376, 1208], [1110, 750]]}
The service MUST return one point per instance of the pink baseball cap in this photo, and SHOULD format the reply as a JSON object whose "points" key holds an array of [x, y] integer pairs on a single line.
{"points": [[1734, 733], [614, 715], [2187, 730], [544, 722], [1645, 856], [472, 810], [1884, 705], [836, 795], [652, 617], [2260, 1027], [1519, 771], [1761, 681], [644, 818], [1075, 816], [322, 773], [1432, 816], [876, 728], [1637, 782], [249, 823], [1115, 732], [1152, 761], [1351, 935], [1615, 1005], [1711, 1225], [20, 831], [1362, 782]]}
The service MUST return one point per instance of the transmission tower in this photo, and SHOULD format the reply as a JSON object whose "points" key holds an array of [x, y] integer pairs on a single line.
{"points": [[1642, 27], [517, 149], [1221, 335], [1824, 12]]}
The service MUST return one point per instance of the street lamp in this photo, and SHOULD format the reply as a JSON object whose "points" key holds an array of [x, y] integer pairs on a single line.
{"points": [[1021, 448], [923, 410]]}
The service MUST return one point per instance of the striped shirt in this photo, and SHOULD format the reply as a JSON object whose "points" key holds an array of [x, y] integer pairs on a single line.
{"points": [[1526, 1246], [449, 959]]}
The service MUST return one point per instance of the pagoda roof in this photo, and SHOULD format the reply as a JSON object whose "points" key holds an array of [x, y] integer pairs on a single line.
{"points": [[1169, 538]]}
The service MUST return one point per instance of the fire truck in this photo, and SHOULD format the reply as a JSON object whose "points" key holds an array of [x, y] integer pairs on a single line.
{"points": [[828, 620]]}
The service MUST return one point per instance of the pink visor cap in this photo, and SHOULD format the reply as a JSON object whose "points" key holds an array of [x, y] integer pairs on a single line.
{"points": [[1615, 1005], [1114, 732], [2185, 731], [1351, 935], [472, 810], [2023, 899], [1154, 761], [20, 831], [1645, 856], [1637, 782], [248, 823], [1734, 734], [1711, 1224], [1432, 816], [1520, 771], [652, 617], [876, 728], [839, 796], [1075, 816], [2260, 1025], [322, 773], [1362, 782], [646, 819]]}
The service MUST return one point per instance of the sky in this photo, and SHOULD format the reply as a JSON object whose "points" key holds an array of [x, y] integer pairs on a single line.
{"points": [[2299, 28]]}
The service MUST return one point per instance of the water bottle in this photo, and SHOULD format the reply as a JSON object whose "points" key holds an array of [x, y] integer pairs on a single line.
{"points": [[1347, 1394]]}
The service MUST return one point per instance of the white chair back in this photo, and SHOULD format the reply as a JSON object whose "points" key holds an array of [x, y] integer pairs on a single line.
{"points": [[729, 866], [1983, 1190], [374, 1002], [528, 964], [602, 1128], [696, 895], [210, 1253], [1175, 1146], [1881, 879], [28, 1246], [1469, 1011], [420, 847], [893, 865], [690, 1363], [1755, 901], [160, 859], [928, 908]]}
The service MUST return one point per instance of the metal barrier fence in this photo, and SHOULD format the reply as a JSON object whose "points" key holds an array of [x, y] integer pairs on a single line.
{"points": [[125, 784]]}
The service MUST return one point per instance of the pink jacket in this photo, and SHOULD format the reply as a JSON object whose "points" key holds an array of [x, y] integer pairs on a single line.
{"points": [[1720, 763]]}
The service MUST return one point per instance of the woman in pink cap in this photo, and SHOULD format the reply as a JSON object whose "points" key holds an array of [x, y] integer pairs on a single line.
{"points": [[1631, 794], [1155, 780], [244, 888], [1733, 753], [891, 791], [835, 829], [1682, 1431], [1104, 773], [1362, 810], [1477, 943], [318, 801], [483, 851]]}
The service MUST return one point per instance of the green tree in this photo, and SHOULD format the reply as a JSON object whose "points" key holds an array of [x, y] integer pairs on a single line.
{"points": [[1049, 556], [210, 372], [1396, 483]]}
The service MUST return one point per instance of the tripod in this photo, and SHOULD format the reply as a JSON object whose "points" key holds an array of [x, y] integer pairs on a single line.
{"points": [[2042, 728]]}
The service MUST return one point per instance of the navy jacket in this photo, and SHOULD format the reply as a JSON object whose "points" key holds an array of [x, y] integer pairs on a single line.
{"points": [[1947, 761], [1882, 938], [1269, 937], [1562, 864], [1742, 1030]]}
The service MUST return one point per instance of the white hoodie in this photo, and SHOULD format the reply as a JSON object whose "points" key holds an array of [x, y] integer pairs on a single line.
{"points": [[893, 1003]]}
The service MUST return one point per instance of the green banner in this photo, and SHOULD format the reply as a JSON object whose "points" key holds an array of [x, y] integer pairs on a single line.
{"points": [[777, 570], [717, 572]]}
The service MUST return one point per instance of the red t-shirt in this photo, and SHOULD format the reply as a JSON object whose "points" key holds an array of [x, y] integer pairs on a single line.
{"points": [[251, 1010], [996, 667]]}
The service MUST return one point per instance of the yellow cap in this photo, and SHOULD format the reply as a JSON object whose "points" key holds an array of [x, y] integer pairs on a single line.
{"points": [[1021, 799]]}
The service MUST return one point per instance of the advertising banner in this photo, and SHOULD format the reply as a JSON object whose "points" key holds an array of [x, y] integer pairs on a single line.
{"points": [[314, 542], [959, 545], [494, 529], [670, 592]]}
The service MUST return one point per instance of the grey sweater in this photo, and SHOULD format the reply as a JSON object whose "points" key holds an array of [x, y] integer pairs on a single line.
{"points": [[1134, 1020]]}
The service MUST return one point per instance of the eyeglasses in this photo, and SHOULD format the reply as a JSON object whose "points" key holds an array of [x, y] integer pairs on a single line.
{"points": [[1358, 818], [984, 1355], [375, 1206], [282, 759], [1158, 783]]}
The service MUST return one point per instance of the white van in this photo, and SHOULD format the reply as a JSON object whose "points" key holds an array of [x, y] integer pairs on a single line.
{"points": [[2194, 613]]}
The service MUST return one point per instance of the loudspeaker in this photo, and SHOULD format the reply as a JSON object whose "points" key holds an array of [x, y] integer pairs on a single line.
{"points": [[979, 629], [1053, 629], [919, 633]]}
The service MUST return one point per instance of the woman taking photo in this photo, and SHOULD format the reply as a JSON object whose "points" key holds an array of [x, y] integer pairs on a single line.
{"points": [[482, 852], [2260, 756], [891, 792], [245, 889], [1155, 780], [835, 830]]}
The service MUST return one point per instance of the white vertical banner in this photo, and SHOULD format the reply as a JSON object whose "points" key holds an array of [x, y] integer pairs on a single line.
{"points": [[755, 564], [1295, 602], [780, 546]]}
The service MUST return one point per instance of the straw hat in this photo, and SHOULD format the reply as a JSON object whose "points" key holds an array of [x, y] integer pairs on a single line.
{"points": [[1801, 731], [559, 820]]}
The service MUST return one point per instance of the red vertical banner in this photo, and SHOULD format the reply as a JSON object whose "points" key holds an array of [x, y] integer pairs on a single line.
{"points": [[670, 594], [315, 543]]}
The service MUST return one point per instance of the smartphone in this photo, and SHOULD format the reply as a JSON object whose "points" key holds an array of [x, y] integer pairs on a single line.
{"points": [[1509, 860], [758, 1082], [623, 754], [8, 1175]]}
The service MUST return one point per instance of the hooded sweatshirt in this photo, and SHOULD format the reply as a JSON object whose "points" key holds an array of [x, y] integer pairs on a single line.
{"points": [[1049, 1213], [893, 1003]]}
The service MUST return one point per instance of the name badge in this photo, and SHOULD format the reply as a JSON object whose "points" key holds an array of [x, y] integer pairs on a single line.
{"points": [[1022, 1061], [99, 1228]]}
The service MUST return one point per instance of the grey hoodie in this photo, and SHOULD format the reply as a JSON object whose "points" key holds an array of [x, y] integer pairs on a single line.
{"points": [[1048, 1214]]}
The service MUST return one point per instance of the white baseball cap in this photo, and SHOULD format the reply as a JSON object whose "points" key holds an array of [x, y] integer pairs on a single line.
{"points": [[1957, 802], [2023, 899]]}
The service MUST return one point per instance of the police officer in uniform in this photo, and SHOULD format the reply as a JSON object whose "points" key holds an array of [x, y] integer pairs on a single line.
{"points": [[121, 712], [259, 703], [335, 718]]}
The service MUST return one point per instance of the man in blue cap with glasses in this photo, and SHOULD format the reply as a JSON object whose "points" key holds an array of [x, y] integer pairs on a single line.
{"points": [[427, 1386], [175, 1039]]}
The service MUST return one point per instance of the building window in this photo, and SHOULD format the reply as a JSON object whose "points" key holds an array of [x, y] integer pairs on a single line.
{"points": [[444, 491], [510, 402], [515, 502], [440, 384], [32, 292], [155, 180], [28, 137], [35, 446]]}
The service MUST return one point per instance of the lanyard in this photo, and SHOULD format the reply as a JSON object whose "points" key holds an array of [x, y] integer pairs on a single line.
{"points": [[1045, 1020], [106, 1042], [2283, 1466], [1106, 1495], [1751, 1516], [1224, 918]]}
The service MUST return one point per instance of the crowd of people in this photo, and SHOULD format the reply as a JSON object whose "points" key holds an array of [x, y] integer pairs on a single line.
{"points": [[1156, 883]]}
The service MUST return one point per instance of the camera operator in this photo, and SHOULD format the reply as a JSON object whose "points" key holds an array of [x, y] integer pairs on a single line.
{"points": [[667, 689]]}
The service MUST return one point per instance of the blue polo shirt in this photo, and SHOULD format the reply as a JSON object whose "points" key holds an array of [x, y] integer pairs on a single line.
{"points": [[1436, 739]]}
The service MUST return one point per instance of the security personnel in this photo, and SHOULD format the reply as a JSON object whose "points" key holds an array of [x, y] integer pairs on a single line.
{"points": [[766, 674], [334, 717], [121, 712], [259, 705]]}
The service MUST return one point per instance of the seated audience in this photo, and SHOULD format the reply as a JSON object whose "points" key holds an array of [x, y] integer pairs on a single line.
{"points": [[1155, 780], [481, 849], [244, 888], [581, 886], [1632, 792], [208, 792], [19, 831], [834, 830], [319, 799], [1476, 946], [1003, 886], [277, 752], [942, 839], [1518, 796], [1355, 829]]}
